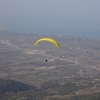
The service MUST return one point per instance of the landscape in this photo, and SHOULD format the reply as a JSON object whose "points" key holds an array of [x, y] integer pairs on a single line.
{"points": [[71, 73]]}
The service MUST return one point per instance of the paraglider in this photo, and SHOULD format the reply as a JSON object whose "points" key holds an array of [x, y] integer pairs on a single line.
{"points": [[49, 40]]}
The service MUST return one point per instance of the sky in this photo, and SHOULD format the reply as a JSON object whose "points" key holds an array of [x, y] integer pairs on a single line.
{"points": [[70, 17]]}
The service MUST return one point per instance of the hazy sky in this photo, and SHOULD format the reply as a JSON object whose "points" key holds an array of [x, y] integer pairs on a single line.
{"points": [[77, 17]]}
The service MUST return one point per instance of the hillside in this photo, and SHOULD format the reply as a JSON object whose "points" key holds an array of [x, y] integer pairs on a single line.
{"points": [[11, 86]]}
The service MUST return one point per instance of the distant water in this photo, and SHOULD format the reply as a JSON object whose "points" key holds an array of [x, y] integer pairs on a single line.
{"points": [[91, 35], [67, 26]]}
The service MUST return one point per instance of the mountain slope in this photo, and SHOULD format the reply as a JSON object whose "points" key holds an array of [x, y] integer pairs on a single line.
{"points": [[7, 86]]}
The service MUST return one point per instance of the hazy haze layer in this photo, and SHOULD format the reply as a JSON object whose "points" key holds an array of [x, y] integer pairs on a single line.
{"points": [[70, 17]]}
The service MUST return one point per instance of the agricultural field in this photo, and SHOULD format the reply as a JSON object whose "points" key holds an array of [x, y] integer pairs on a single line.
{"points": [[76, 62]]}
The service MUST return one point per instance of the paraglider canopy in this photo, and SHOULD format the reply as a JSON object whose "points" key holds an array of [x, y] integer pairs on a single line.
{"points": [[48, 39]]}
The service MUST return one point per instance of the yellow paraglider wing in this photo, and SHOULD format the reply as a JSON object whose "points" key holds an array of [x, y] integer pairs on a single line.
{"points": [[48, 39]]}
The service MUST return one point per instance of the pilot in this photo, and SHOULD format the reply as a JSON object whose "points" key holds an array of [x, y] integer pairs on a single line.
{"points": [[46, 60]]}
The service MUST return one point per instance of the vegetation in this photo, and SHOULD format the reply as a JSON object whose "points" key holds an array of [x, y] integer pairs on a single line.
{"points": [[11, 86]]}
